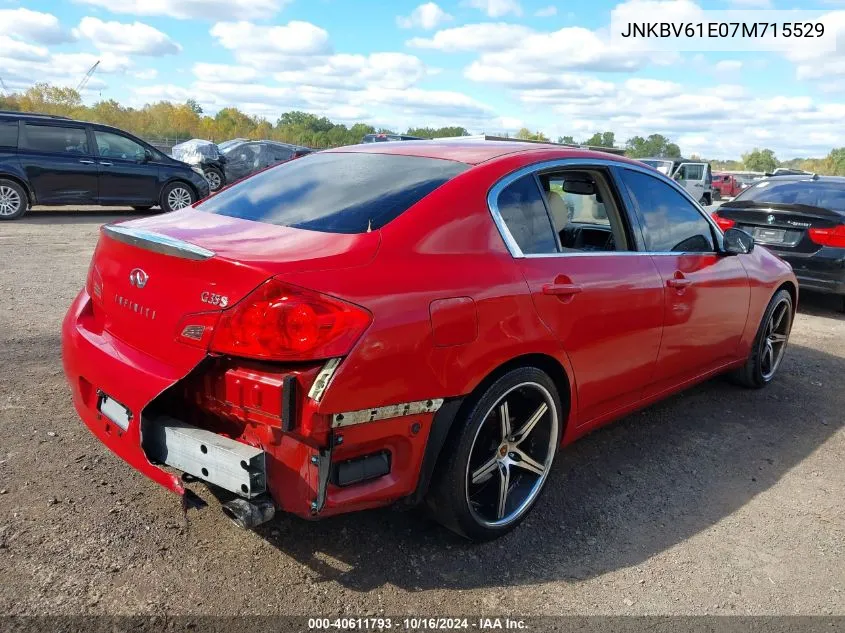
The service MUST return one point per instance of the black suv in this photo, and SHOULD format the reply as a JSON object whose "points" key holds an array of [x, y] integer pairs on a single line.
{"points": [[54, 160]]}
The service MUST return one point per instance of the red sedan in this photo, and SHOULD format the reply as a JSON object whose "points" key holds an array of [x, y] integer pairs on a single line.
{"points": [[420, 321]]}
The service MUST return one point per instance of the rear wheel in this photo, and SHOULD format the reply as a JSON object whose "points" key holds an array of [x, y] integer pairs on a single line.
{"points": [[705, 200], [769, 345], [176, 196], [215, 178], [13, 200], [500, 458]]}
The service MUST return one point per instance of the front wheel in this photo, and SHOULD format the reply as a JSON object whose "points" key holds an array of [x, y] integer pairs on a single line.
{"points": [[500, 456], [769, 345], [176, 196]]}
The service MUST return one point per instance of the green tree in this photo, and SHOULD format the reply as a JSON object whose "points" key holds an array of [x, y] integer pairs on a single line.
{"points": [[601, 139], [567, 140], [527, 135], [653, 145], [195, 107], [760, 160], [835, 162], [429, 132]]}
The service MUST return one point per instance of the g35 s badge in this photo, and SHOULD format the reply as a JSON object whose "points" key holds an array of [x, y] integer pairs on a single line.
{"points": [[214, 299]]}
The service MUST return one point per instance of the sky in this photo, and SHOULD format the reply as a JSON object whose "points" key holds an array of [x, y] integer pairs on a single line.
{"points": [[492, 66]]}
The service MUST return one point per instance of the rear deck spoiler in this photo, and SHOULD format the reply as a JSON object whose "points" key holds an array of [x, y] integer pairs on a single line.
{"points": [[156, 242]]}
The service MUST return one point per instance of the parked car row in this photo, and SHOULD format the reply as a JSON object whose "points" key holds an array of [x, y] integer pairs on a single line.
{"points": [[54, 160], [232, 160]]}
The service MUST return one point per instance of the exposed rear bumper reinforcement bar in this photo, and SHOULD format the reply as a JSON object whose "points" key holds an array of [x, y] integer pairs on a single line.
{"points": [[231, 465]]}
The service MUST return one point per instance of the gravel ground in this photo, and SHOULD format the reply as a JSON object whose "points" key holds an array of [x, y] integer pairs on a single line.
{"points": [[718, 501]]}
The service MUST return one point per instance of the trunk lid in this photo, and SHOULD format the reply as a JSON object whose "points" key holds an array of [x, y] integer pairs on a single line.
{"points": [[780, 225], [156, 271]]}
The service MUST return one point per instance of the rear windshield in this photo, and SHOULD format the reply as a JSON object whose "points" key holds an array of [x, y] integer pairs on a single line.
{"points": [[814, 193], [335, 192]]}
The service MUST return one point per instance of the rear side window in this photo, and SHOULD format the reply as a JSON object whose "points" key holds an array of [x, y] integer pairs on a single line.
{"points": [[8, 133], [55, 139], [335, 192], [671, 222], [521, 207]]}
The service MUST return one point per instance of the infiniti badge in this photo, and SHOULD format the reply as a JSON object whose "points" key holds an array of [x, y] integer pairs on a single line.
{"points": [[138, 278], [769, 219]]}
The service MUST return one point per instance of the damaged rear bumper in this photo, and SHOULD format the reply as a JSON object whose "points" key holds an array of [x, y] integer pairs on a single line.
{"points": [[322, 463]]}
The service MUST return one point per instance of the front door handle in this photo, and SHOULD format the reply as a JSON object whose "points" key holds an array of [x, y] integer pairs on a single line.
{"points": [[85, 161], [561, 290], [679, 282]]}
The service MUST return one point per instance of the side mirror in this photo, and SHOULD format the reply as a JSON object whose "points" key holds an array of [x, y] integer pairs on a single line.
{"points": [[738, 242], [148, 156]]}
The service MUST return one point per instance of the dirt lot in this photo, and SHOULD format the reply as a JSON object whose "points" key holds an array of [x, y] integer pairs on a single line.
{"points": [[719, 501]]}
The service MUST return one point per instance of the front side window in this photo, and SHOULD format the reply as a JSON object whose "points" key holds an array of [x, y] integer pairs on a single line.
{"points": [[692, 172], [335, 192], [116, 146], [671, 222], [55, 139]]}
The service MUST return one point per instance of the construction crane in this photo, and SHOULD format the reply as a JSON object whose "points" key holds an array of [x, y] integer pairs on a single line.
{"points": [[87, 77], [3, 88]]}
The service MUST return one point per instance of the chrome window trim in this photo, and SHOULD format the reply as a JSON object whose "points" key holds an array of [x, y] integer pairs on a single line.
{"points": [[535, 168]]}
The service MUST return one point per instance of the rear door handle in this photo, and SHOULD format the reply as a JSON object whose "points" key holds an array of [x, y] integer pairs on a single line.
{"points": [[85, 161], [561, 289], [106, 163]]}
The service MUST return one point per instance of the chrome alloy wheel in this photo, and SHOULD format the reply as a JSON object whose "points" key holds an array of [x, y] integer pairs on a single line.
{"points": [[511, 455], [776, 336], [213, 178], [178, 198], [10, 201]]}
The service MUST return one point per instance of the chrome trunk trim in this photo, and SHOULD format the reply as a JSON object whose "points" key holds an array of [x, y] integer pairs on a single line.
{"points": [[156, 242]]}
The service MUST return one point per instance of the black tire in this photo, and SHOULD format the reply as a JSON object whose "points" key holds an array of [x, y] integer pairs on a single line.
{"points": [[717, 195], [706, 200], [13, 200], [754, 373], [216, 179], [174, 191], [450, 492], [143, 207]]}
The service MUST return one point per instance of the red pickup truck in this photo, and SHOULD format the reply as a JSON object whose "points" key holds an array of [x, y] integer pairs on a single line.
{"points": [[726, 185]]}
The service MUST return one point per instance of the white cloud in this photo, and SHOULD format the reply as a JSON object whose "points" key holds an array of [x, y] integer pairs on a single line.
{"points": [[27, 25], [751, 4], [21, 50], [148, 74], [496, 8], [133, 39], [546, 12], [426, 16], [394, 70], [272, 47], [728, 65], [816, 65], [473, 37], [195, 9]]}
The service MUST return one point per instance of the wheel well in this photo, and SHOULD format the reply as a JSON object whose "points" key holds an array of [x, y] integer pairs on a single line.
{"points": [[21, 184], [793, 292], [547, 363]]}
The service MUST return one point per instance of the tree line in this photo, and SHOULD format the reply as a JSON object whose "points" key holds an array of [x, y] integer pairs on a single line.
{"points": [[166, 120]]}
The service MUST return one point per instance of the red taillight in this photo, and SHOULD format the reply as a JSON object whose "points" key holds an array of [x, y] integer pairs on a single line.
{"points": [[833, 236], [724, 223], [282, 322]]}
